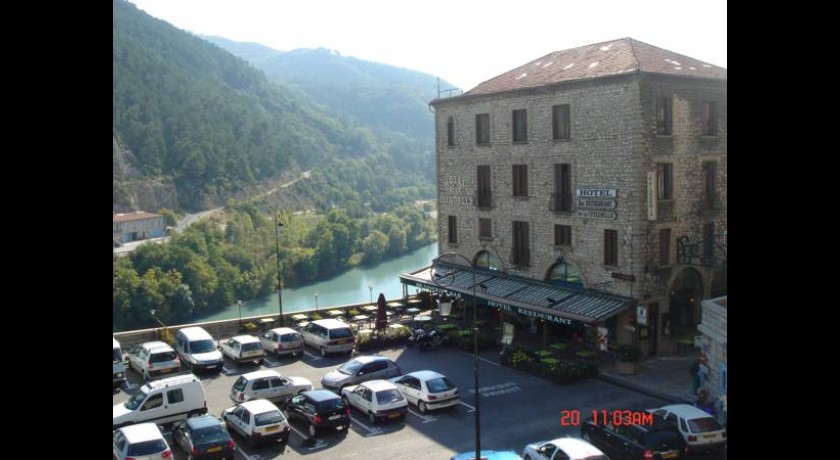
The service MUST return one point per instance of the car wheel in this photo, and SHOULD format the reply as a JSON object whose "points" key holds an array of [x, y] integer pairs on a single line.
{"points": [[323, 352], [422, 406], [312, 430], [194, 413], [372, 418]]}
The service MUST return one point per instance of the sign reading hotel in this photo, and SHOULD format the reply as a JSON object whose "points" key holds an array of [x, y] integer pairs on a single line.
{"points": [[454, 191], [596, 203]]}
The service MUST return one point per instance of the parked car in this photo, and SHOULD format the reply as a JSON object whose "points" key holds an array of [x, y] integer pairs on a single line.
{"points": [[152, 359], [488, 455], [428, 390], [563, 449], [163, 401], [360, 369], [657, 440], [119, 365], [257, 421], [282, 341], [197, 350], [379, 399], [700, 431], [319, 409], [143, 441], [267, 384], [204, 438], [329, 336], [243, 348]]}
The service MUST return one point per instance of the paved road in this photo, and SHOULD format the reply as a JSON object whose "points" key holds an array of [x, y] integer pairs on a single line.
{"points": [[516, 409]]}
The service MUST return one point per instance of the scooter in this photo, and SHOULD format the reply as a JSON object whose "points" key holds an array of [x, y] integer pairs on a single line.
{"points": [[431, 339], [414, 336]]}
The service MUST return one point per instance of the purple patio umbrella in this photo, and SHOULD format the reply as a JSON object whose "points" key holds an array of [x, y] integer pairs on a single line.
{"points": [[381, 315]]}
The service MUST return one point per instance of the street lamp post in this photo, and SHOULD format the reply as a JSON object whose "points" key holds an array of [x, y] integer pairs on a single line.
{"points": [[476, 401], [277, 226], [370, 287], [316, 301], [239, 302]]}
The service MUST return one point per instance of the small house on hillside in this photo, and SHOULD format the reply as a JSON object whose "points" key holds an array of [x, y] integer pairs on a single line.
{"points": [[138, 225]]}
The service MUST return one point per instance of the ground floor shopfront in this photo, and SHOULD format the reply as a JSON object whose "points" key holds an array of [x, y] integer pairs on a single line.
{"points": [[518, 311]]}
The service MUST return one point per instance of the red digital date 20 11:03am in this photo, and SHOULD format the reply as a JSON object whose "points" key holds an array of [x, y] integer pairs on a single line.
{"points": [[605, 417]]}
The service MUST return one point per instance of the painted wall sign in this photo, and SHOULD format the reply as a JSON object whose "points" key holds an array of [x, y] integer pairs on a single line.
{"points": [[457, 200], [651, 195], [597, 192], [530, 313], [602, 203], [596, 214]]}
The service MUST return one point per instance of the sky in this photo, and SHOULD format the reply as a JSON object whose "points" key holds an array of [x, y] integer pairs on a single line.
{"points": [[464, 42]]}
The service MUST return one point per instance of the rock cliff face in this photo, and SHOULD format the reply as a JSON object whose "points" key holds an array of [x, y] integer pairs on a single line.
{"points": [[134, 193]]}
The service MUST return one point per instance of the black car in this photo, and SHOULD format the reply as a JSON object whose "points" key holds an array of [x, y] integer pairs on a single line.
{"points": [[654, 439], [204, 437], [319, 409]]}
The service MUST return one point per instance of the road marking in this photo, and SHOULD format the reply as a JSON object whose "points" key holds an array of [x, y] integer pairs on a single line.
{"points": [[350, 454], [242, 452], [472, 409], [315, 357], [497, 390], [371, 431], [425, 418]]}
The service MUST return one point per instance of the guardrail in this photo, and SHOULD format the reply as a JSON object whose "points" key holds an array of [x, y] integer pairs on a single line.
{"points": [[228, 327]]}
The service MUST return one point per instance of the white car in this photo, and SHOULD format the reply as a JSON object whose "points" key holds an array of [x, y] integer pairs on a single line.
{"points": [[152, 359], [143, 441], [428, 390], [563, 449], [243, 348], [282, 341], [701, 431], [267, 384], [379, 399], [258, 420]]}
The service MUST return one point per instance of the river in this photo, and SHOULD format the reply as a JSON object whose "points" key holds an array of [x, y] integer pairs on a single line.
{"points": [[347, 288]]}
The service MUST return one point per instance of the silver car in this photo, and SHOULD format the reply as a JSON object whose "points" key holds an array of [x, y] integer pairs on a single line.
{"points": [[143, 441], [282, 341], [152, 359], [267, 384], [360, 369]]}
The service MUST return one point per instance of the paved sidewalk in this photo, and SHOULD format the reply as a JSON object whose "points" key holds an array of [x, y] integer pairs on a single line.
{"points": [[664, 377]]}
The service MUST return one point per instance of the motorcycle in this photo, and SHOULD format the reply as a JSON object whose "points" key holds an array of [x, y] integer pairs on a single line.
{"points": [[414, 336], [431, 339]]}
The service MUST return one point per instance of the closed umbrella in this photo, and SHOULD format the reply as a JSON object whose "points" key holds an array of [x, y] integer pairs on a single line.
{"points": [[381, 312]]}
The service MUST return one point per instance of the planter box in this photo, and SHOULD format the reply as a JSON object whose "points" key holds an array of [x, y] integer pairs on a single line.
{"points": [[627, 367]]}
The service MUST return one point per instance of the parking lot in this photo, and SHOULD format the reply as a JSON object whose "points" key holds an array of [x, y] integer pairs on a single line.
{"points": [[516, 409]]}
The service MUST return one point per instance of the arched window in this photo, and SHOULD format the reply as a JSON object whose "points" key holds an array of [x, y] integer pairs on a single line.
{"points": [[566, 272], [488, 259]]}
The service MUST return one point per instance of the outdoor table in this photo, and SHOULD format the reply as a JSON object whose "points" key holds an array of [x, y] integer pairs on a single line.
{"points": [[302, 324], [266, 323], [412, 310], [360, 318], [300, 317], [585, 353], [422, 318], [370, 308], [335, 313], [543, 353], [560, 346]]}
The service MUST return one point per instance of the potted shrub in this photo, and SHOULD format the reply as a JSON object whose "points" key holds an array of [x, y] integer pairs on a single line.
{"points": [[628, 359]]}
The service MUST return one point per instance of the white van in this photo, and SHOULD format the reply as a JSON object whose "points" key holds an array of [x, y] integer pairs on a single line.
{"points": [[329, 336], [119, 365], [163, 401], [198, 350]]}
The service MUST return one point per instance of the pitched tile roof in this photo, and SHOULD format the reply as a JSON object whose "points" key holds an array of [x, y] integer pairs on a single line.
{"points": [[599, 60], [139, 215]]}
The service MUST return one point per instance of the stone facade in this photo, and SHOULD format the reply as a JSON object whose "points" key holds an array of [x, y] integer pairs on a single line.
{"points": [[613, 146]]}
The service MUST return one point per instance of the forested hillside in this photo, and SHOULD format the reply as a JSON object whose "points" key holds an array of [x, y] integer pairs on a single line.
{"points": [[205, 125]]}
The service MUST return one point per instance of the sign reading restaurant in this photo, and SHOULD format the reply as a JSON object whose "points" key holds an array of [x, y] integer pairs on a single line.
{"points": [[531, 313]]}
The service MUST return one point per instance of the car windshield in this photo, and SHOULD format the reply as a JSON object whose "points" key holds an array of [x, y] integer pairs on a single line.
{"points": [[389, 396], [209, 435], [147, 447], [341, 333], [202, 346], [162, 356], [331, 404], [240, 384], [135, 400], [251, 346], [703, 425], [662, 440], [351, 367], [117, 355], [267, 418], [439, 385]]}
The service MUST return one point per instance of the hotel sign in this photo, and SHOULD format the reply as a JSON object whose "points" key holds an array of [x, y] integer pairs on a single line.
{"points": [[597, 203], [530, 313], [596, 214], [596, 192]]}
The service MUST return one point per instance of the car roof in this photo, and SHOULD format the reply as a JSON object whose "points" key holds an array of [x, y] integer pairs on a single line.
{"points": [[576, 447], [245, 338], [258, 406], [379, 385], [426, 375], [141, 432], [489, 455], [155, 345], [284, 330], [330, 322], [262, 373], [685, 411], [175, 379], [203, 421], [195, 333], [370, 358], [320, 395]]}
